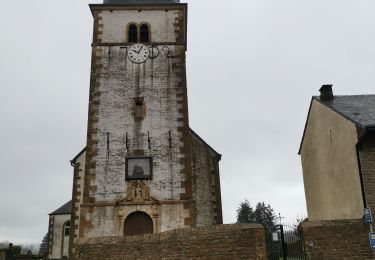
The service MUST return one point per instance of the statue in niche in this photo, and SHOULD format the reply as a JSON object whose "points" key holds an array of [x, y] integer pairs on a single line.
{"points": [[138, 191]]}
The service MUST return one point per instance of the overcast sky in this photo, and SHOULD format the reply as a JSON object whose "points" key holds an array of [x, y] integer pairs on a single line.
{"points": [[253, 66]]}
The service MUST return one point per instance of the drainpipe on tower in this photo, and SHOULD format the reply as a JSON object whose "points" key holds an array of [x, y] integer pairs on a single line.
{"points": [[357, 149]]}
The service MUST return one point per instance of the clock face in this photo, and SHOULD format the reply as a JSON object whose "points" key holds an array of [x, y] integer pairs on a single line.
{"points": [[138, 53]]}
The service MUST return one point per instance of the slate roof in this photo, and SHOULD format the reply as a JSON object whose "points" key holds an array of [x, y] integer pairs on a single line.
{"points": [[64, 209], [140, 1], [360, 109]]}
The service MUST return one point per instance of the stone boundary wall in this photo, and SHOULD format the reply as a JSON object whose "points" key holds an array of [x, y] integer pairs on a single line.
{"points": [[337, 240], [244, 241]]}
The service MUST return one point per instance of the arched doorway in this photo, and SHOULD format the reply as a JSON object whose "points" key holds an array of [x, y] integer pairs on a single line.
{"points": [[138, 223]]}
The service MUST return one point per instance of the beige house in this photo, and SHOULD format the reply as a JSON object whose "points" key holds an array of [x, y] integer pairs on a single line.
{"points": [[338, 156]]}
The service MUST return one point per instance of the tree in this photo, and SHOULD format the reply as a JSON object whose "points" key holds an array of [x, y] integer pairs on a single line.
{"points": [[43, 245], [297, 227], [245, 213], [263, 215], [15, 249]]}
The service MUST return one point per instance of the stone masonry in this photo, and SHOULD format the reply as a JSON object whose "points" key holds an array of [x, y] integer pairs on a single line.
{"points": [[337, 240], [366, 150], [246, 241]]}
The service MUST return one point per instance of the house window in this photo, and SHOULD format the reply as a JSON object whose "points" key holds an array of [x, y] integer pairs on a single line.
{"points": [[145, 33], [132, 33], [67, 228]]}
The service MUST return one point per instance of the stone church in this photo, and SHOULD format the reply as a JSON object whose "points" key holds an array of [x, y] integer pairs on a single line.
{"points": [[143, 170]]}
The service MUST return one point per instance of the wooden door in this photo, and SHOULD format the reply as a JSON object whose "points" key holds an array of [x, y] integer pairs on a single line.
{"points": [[138, 223]]}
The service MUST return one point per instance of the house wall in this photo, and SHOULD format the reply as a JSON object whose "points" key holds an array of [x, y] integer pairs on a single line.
{"points": [[330, 168], [59, 243], [115, 83]]}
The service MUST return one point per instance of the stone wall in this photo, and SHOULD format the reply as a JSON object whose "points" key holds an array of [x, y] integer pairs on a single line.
{"points": [[339, 239], [246, 241], [367, 159], [206, 182]]}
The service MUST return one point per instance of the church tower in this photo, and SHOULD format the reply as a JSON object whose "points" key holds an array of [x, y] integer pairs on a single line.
{"points": [[143, 169]]}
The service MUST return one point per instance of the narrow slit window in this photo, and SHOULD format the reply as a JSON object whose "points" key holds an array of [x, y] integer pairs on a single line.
{"points": [[145, 33], [138, 109], [132, 33]]}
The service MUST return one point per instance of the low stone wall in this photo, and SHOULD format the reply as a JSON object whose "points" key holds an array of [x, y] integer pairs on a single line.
{"points": [[339, 239], [245, 241]]}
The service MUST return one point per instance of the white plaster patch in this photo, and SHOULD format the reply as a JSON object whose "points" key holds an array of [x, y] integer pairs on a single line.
{"points": [[161, 22]]}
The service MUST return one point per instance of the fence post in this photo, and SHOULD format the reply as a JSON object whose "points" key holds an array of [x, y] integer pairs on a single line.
{"points": [[283, 244]]}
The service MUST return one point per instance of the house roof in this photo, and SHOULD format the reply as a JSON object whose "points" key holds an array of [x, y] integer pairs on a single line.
{"points": [[140, 1], [64, 209], [359, 109]]}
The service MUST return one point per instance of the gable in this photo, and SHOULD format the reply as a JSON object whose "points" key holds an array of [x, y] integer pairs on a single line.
{"points": [[322, 115]]}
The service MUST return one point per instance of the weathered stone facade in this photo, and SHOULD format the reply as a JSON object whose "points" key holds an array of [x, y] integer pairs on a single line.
{"points": [[184, 190], [337, 240], [245, 241], [139, 111], [206, 182], [115, 83]]}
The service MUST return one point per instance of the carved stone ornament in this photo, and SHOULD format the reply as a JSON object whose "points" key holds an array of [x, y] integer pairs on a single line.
{"points": [[121, 213], [137, 192]]}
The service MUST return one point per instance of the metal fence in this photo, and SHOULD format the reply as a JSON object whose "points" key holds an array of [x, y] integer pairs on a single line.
{"points": [[285, 243]]}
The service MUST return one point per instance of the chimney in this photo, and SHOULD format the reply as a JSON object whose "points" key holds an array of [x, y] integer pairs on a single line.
{"points": [[326, 92]]}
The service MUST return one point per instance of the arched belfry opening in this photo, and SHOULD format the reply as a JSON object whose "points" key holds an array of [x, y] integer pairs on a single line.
{"points": [[138, 223], [132, 33], [145, 33]]}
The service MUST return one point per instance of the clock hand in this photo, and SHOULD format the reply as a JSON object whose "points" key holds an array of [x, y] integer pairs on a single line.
{"points": [[140, 49]]}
